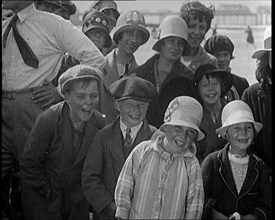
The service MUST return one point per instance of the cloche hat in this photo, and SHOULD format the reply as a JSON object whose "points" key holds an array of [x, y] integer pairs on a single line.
{"points": [[267, 43], [173, 26], [131, 20], [184, 111], [234, 112]]}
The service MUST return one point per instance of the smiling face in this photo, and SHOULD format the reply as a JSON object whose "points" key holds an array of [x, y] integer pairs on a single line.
{"points": [[130, 41], [132, 111], [210, 89], [224, 59], [97, 36], [179, 138], [82, 100], [240, 137], [172, 48], [196, 32]]}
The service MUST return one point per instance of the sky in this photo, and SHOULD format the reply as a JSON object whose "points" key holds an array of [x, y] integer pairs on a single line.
{"points": [[172, 5]]}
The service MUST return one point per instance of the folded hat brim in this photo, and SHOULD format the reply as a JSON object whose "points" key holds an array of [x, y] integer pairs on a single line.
{"points": [[260, 53], [141, 99], [186, 124], [130, 26], [108, 42]]}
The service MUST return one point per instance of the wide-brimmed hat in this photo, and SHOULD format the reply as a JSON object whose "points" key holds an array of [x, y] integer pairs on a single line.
{"points": [[236, 112], [184, 111], [267, 44], [97, 20], [131, 20], [103, 5], [205, 69], [132, 87], [77, 72], [173, 26], [218, 43]]}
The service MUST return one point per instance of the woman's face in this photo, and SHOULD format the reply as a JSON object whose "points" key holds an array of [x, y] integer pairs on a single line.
{"points": [[224, 59], [82, 100], [97, 36], [172, 48], [210, 89], [240, 137], [179, 138]]}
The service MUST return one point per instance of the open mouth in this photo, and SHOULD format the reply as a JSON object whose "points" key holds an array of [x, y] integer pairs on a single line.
{"points": [[179, 143], [134, 117]]}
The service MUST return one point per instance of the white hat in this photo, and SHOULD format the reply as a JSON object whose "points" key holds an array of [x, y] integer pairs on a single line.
{"points": [[184, 111], [267, 44], [173, 26], [236, 112]]}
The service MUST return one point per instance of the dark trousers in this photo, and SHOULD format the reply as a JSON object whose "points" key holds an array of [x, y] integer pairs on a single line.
{"points": [[18, 116]]}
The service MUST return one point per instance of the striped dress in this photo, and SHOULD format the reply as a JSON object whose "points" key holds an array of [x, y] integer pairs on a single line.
{"points": [[155, 184]]}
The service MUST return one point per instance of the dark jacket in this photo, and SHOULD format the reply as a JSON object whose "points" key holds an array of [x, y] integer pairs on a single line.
{"points": [[262, 112], [49, 163], [221, 193], [178, 82], [104, 162], [240, 83]]}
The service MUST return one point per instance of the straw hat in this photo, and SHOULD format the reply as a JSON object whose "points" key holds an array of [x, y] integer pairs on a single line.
{"points": [[173, 26], [235, 112], [131, 20], [184, 111], [267, 44]]}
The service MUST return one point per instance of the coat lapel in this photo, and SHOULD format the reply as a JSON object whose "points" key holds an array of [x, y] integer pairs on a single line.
{"points": [[225, 171]]}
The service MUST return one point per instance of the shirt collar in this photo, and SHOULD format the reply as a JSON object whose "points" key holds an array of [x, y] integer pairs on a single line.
{"points": [[26, 12], [134, 130]]}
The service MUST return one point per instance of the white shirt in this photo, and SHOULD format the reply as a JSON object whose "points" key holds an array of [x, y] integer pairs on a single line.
{"points": [[134, 130], [49, 36]]}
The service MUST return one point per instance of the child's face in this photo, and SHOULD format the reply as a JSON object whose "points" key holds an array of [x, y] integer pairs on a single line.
{"points": [[97, 36], [172, 48], [240, 136], [197, 31], [209, 89], [179, 138], [82, 100], [132, 111], [224, 59]]}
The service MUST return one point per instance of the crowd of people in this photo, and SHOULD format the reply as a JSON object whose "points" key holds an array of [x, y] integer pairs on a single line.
{"points": [[88, 133]]}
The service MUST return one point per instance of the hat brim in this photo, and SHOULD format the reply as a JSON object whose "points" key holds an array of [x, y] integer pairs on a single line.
{"points": [[108, 42], [186, 50], [260, 53], [146, 33], [222, 130], [186, 124], [226, 77]]}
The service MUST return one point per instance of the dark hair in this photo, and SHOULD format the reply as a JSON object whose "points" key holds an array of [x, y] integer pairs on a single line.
{"points": [[263, 75], [84, 83], [198, 10]]}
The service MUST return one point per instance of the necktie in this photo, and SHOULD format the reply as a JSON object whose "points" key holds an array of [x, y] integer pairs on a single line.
{"points": [[25, 50], [128, 139]]}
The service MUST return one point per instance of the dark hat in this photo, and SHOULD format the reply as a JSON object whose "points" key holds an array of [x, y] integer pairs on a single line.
{"points": [[218, 43], [80, 71], [132, 87], [205, 69], [69, 5], [97, 20]]}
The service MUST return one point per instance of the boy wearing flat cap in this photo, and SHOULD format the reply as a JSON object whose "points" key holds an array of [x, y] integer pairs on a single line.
{"points": [[222, 48], [161, 178], [113, 144], [129, 34], [56, 147]]}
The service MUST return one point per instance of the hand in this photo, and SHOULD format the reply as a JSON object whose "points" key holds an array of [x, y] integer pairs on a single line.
{"points": [[46, 95]]}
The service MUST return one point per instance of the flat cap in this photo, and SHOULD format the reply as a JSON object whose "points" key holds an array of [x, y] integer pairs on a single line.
{"points": [[80, 71], [133, 87], [218, 43]]}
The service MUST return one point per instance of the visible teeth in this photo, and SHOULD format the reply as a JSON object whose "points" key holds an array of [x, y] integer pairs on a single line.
{"points": [[178, 142]]}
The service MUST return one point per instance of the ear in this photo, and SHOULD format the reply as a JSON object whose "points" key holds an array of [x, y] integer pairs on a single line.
{"points": [[67, 97]]}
